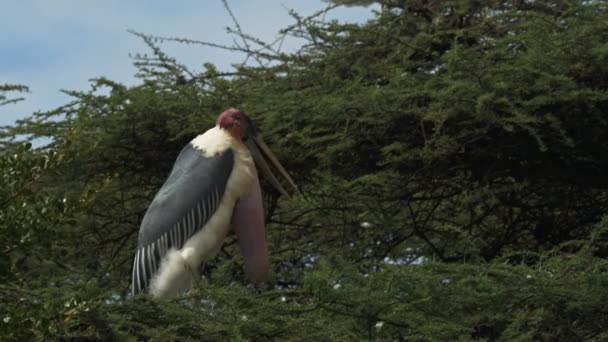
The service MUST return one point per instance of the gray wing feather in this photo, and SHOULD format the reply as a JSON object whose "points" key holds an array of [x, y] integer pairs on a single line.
{"points": [[182, 206]]}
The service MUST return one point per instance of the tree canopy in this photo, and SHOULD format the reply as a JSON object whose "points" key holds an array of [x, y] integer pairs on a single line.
{"points": [[452, 159]]}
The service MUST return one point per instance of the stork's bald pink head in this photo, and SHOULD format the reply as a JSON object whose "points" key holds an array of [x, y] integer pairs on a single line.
{"points": [[236, 123]]}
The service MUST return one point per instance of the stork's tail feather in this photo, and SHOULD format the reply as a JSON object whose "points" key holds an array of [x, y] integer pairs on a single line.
{"points": [[174, 276]]}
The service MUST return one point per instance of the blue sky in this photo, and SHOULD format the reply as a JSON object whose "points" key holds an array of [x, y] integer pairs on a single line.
{"points": [[61, 44]]}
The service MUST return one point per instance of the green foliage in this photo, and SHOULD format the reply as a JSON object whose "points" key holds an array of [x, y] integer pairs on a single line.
{"points": [[563, 297], [465, 136], [6, 88]]}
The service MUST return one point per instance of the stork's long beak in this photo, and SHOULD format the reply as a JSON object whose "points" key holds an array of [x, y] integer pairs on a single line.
{"points": [[259, 150]]}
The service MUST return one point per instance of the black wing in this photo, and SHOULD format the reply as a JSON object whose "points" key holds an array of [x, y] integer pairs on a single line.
{"points": [[182, 206]]}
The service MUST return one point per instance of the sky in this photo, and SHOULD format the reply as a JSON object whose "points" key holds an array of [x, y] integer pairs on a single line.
{"points": [[62, 44]]}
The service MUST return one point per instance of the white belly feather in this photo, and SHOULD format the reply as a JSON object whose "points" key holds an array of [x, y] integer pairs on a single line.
{"points": [[179, 267]]}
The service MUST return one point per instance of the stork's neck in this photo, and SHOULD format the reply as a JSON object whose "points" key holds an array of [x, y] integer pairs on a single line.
{"points": [[235, 132]]}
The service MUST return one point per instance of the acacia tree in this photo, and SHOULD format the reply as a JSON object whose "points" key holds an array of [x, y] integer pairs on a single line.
{"points": [[436, 132]]}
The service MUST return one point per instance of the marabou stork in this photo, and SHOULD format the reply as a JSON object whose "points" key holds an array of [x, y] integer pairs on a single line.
{"points": [[213, 185]]}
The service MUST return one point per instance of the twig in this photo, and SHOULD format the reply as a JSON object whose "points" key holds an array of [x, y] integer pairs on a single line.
{"points": [[244, 38]]}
